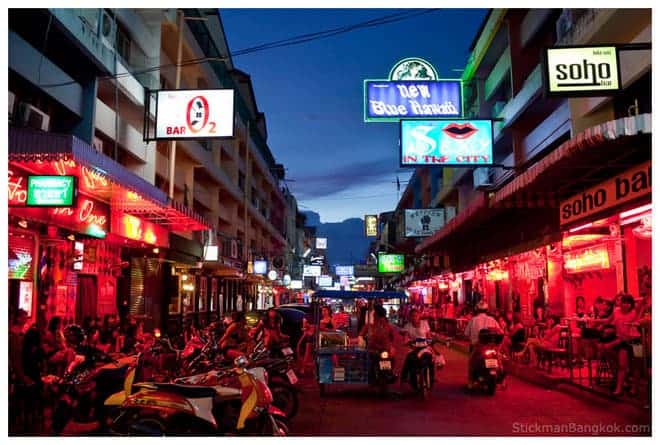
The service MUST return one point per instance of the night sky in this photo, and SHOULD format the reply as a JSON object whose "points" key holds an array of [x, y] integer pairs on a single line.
{"points": [[312, 95]]}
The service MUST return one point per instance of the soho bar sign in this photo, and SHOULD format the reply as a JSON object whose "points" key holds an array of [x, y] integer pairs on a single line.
{"points": [[581, 71]]}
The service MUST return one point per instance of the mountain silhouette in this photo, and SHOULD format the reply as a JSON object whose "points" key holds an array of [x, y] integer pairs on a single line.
{"points": [[347, 243]]}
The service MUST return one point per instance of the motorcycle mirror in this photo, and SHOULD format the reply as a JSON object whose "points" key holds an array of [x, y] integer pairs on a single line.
{"points": [[241, 362]]}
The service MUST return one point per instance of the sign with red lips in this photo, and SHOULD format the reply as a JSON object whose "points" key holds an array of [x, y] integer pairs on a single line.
{"points": [[458, 142], [194, 114]]}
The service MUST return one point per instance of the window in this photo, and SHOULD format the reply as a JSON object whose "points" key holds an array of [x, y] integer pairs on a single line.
{"points": [[123, 44], [241, 181]]}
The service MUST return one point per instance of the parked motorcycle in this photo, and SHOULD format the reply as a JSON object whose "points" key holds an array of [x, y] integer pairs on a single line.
{"points": [[486, 369], [89, 379], [170, 408]]}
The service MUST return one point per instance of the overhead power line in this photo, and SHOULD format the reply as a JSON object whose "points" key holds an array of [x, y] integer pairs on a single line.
{"points": [[295, 40]]}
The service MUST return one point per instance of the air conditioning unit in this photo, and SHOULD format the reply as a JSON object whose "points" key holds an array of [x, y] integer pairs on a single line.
{"points": [[108, 29], [31, 116], [483, 177], [12, 100], [98, 144]]}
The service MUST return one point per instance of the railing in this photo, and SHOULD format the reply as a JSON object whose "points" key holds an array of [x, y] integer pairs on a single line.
{"points": [[573, 23]]}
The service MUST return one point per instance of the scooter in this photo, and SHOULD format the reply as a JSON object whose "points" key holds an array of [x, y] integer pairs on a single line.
{"points": [[171, 408], [486, 369], [86, 384], [382, 370], [421, 376]]}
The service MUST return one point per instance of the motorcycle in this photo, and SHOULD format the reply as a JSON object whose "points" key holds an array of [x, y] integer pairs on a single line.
{"points": [[421, 375], [86, 384], [174, 408], [486, 369], [382, 371]]}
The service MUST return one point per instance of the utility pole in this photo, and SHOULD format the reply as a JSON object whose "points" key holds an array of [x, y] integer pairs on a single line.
{"points": [[177, 83]]}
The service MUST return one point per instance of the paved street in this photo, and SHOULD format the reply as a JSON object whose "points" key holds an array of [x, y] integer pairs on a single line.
{"points": [[451, 410]]}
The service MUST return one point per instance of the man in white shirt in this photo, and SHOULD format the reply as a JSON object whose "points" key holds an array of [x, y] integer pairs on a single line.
{"points": [[481, 321], [415, 328]]}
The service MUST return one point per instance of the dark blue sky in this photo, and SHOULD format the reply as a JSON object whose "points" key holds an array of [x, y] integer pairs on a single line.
{"points": [[312, 95]]}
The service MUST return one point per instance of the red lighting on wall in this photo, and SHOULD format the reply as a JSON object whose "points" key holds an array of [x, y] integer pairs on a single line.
{"points": [[137, 229], [497, 275], [17, 188], [576, 240], [593, 258], [635, 211]]}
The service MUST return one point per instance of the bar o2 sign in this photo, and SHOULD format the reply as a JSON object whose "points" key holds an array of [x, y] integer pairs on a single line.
{"points": [[194, 114], [582, 71]]}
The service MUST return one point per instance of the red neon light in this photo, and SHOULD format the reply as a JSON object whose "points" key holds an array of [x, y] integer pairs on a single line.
{"points": [[137, 229], [641, 209], [584, 226], [17, 187], [593, 258], [635, 218]]}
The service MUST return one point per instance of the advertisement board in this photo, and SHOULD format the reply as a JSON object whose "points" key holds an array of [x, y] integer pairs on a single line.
{"points": [[51, 191], [423, 222], [389, 263], [581, 71], [260, 267], [311, 271], [194, 114], [459, 142], [371, 225], [392, 100], [321, 243], [325, 281], [138, 229], [296, 284], [344, 271]]}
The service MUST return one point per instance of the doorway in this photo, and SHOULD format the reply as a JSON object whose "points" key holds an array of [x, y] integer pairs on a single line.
{"points": [[86, 301]]}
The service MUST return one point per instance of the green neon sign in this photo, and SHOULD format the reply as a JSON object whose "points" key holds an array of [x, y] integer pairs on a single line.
{"points": [[388, 263], [51, 191]]}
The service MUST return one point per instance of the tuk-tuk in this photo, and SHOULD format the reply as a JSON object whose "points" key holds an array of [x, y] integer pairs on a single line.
{"points": [[340, 358]]}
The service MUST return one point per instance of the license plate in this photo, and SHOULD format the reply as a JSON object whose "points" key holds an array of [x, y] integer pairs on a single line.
{"points": [[287, 351], [384, 364], [339, 375], [491, 363], [293, 379]]}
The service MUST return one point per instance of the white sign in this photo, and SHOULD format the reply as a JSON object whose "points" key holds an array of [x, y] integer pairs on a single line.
{"points": [[211, 253], [325, 281], [286, 279], [296, 284], [311, 271], [194, 114], [341, 271], [582, 70], [272, 275], [321, 243], [423, 222]]}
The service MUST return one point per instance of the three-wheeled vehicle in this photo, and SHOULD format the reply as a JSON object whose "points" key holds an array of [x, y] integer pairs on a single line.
{"points": [[341, 357]]}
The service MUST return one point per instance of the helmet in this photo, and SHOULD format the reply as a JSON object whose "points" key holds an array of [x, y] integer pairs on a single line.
{"points": [[74, 334], [482, 306]]}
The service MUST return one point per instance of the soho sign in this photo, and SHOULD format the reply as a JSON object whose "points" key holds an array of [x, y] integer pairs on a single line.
{"points": [[582, 71]]}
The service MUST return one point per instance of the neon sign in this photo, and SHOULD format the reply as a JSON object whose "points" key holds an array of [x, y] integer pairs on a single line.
{"points": [[50, 191], [17, 188], [90, 217], [593, 258], [137, 229]]}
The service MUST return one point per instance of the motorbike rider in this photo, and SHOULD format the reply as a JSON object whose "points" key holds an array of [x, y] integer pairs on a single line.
{"points": [[235, 336], [415, 328], [380, 334], [480, 321]]}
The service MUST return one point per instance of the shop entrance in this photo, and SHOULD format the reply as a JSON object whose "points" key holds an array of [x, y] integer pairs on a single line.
{"points": [[86, 301]]}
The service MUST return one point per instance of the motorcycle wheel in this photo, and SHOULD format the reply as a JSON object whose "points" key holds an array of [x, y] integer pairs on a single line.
{"points": [[148, 426], [285, 399]]}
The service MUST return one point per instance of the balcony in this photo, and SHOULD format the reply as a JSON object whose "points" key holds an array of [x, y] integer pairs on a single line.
{"points": [[515, 107], [125, 134], [202, 195], [83, 25], [498, 74]]}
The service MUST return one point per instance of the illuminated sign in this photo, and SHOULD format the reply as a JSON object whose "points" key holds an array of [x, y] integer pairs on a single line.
{"points": [[260, 267], [321, 243], [211, 253], [446, 142], [423, 222], [20, 262], [413, 68], [581, 71], [311, 271], [629, 185], [342, 271], [272, 275], [286, 279], [78, 254], [325, 281], [138, 229], [371, 225], [25, 297], [90, 217], [50, 191], [194, 114], [387, 100], [388, 263], [584, 260], [17, 188], [497, 275], [296, 284]]}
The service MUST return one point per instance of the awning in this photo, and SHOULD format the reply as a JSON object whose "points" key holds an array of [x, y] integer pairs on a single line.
{"points": [[470, 214], [52, 153], [591, 138], [347, 295]]}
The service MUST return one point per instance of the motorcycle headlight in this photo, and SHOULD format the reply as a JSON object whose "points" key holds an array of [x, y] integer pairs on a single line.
{"points": [[384, 355]]}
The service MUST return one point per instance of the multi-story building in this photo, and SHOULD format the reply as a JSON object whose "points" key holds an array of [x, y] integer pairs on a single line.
{"points": [[82, 112], [527, 233]]}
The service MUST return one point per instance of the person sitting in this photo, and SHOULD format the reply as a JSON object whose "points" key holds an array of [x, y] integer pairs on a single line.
{"points": [[481, 321], [272, 330], [326, 319], [549, 340], [415, 328], [514, 341], [233, 341], [380, 336]]}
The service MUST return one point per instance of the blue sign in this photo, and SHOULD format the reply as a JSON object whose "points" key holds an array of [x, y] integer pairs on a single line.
{"points": [[387, 100], [446, 142], [344, 271]]}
